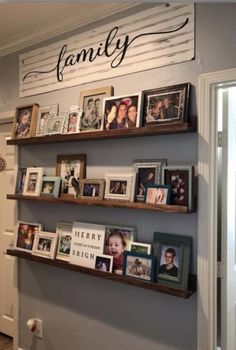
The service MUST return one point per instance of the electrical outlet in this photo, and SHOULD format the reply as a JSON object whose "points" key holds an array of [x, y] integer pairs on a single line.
{"points": [[39, 328]]}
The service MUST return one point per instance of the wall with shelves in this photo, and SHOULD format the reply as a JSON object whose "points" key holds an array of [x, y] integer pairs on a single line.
{"points": [[91, 311]]}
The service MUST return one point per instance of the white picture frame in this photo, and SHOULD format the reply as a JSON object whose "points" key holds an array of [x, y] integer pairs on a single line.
{"points": [[64, 231], [104, 263], [141, 248], [24, 235], [54, 125], [45, 244], [120, 186], [44, 113], [33, 181]]}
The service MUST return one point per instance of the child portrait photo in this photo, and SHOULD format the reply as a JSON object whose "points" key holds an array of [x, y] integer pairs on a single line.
{"points": [[139, 266]]}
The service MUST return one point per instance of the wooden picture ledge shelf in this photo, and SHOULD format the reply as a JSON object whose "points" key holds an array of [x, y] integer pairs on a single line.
{"points": [[105, 203], [111, 276], [175, 128]]}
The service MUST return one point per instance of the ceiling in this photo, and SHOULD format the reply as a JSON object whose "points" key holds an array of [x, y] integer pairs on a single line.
{"points": [[25, 24]]}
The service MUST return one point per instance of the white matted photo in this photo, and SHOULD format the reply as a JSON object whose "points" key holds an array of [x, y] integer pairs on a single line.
{"points": [[120, 186], [24, 235], [44, 113], [64, 231], [104, 263], [45, 244], [33, 181]]}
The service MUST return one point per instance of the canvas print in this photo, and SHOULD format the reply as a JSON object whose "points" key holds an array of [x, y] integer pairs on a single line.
{"points": [[122, 112]]}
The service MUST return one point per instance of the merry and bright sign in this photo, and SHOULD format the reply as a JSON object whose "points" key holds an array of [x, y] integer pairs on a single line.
{"points": [[152, 38]]}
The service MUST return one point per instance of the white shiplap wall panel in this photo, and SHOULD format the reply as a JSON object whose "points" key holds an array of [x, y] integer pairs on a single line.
{"points": [[146, 52]]}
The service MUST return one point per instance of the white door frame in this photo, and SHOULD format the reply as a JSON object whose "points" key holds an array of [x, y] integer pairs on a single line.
{"points": [[207, 207], [8, 117]]}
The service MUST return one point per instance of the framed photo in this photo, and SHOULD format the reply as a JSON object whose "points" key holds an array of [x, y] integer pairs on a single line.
{"points": [[25, 120], [45, 244], [91, 101], [33, 181], [158, 194], [149, 172], [166, 105], [104, 263], [24, 235], [92, 189], [44, 113], [72, 122], [120, 186], [20, 180], [54, 125], [71, 169], [139, 266], [140, 248], [122, 112], [51, 186], [180, 178], [173, 253], [64, 231]]}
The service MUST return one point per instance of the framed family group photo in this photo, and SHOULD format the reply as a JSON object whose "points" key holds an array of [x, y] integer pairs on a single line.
{"points": [[45, 244], [91, 102], [25, 234], [122, 112], [141, 266], [166, 105], [173, 253], [25, 121]]}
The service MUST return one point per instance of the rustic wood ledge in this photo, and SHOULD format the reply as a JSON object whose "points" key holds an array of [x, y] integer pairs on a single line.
{"points": [[111, 276], [105, 203], [174, 128]]}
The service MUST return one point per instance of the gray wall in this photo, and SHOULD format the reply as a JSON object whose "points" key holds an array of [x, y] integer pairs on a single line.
{"points": [[81, 311]]}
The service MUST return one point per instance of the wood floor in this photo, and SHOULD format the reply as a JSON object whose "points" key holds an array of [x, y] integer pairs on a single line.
{"points": [[5, 342]]}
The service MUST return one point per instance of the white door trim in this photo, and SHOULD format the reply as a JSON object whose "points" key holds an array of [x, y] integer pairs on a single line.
{"points": [[207, 207]]}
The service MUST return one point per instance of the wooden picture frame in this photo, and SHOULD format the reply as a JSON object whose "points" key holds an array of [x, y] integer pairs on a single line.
{"points": [[181, 180], [71, 168], [92, 117], [92, 189], [149, 172], [140, 266], [64, 231], [122, 112], [173, 254], [50, 186], [24, 235], [45, 244], [25, 120], [166, 105], [20, 180], [120, 186], [33, 181], [158, 194], [44, 113]]}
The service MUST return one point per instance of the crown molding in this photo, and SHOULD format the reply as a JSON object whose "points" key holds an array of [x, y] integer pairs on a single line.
{"points": [[52, 30]]}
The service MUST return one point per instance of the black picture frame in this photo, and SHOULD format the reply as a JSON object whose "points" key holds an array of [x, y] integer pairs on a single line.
{"points": [[166, 105]]}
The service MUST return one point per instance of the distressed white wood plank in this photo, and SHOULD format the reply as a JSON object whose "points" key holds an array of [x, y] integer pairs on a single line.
{"points": [[146, 52]]}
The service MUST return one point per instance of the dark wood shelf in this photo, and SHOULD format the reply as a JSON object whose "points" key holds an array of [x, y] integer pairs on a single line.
{"points": [[111, 276], [174, 128], [104, 203]]}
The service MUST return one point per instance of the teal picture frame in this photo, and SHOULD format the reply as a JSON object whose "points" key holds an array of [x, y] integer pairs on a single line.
{"points": [[177, 247], [53, 184], [148, 266]]}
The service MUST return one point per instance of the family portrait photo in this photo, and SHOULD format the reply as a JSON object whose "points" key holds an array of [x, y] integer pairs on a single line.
{"points": [[169, 263], [118, 187], [44, 244], [139, 266], [25, 233], [122, 112], [166, 105]]}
